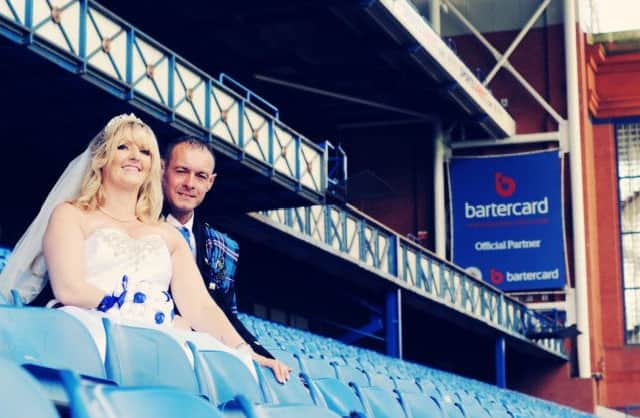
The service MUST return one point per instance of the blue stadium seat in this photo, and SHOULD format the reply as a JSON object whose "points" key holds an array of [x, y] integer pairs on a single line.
{"points": [[21, 396], [287, 358], [232, 388], [407, 385], [339, 397], [381, 380], [472, 407], [421, 406], [293, 391], [380, 403], [48, 337], [100, 401], [429, 388], [222, 377], [349, 374], [452, 408], [142, 357], [317, 368]]}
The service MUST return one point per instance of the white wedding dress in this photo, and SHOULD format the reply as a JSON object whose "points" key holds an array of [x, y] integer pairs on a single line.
{"points": [[142, 266]]}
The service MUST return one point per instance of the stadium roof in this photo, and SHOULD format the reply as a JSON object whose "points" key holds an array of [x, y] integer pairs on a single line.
{"points": [[333, 68]]}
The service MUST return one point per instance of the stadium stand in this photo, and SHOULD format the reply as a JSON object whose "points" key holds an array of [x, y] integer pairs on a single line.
{"points": [[337, 385], [329, 378]]}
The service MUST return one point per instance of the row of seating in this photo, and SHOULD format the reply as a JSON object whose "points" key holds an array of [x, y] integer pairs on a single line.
{"points": [[453, 395], [330, 378], [53, 345]]}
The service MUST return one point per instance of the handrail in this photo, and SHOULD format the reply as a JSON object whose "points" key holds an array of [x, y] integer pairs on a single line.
{"points": [[86, 39], [248, 93], [377, 248]]}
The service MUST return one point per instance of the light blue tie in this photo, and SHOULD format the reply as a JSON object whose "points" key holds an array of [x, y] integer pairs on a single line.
{"points": [[187, 236]]}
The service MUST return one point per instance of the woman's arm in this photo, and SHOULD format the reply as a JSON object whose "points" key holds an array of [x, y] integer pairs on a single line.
{"points": [[201, 311], [64, 254]]}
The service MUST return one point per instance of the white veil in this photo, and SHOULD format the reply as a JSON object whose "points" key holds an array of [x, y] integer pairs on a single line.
{"points": [[25, 270]]}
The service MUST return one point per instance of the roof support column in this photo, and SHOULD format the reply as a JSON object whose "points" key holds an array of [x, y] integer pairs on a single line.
{"points": [[393, 323], [434, 16], [439, 207], [577, 191], [501, 362]]}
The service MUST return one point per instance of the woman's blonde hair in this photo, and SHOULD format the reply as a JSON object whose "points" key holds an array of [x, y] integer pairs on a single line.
{"points": [[119, 130]]}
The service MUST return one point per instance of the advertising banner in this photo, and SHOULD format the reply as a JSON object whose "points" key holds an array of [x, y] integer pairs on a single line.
{"points": [[507, 219]]}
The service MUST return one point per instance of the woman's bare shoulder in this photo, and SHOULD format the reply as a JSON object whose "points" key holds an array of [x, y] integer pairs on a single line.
{"points": [[167, 232], [67, 212]]}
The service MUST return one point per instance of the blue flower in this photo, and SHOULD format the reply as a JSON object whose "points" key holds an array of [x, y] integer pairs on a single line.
{"points": [[159, 318], [139, 297]]}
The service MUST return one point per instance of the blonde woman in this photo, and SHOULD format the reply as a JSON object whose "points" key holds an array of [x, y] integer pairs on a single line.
{"points": [[107, 254]]}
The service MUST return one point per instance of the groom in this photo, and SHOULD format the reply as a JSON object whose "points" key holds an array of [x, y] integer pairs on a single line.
{"points": [[187, 177]]}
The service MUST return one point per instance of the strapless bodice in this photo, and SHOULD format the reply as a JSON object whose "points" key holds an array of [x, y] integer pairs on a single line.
{"points": [[116, 262]]}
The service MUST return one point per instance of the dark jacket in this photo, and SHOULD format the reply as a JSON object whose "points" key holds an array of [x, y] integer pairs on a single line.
{"points": [[224, 296]]}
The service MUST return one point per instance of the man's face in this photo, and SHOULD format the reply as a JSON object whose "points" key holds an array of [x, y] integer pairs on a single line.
{"points": [[187, 178]]}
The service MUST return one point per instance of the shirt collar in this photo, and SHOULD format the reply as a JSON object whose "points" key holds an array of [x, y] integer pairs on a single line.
{"points": [[173, 221]]}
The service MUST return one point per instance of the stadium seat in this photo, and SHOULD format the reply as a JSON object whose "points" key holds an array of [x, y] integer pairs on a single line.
{"points": [[100, 401], [287, 358], [292, 392], [21, 395], [452, 408], [50, 338], [143, 357], [421, 406], [339, 397], [381, 380], [317, 368], [472, 407], [349, 374], [232, 388], [380, 403], [222, 377], [407, 385]]}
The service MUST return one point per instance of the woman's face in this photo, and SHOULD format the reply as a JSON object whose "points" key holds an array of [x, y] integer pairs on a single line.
{"points": [[129, 163]]}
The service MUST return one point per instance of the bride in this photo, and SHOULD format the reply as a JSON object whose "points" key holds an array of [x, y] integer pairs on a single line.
{"points": [[107, 254]]}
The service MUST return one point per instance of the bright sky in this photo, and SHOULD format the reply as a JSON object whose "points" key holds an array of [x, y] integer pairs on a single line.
{"points": [[602, 16]]}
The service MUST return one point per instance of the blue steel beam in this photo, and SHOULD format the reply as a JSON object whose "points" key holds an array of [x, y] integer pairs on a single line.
{"points": [[360, 239], [501, 362], [86, 39]]}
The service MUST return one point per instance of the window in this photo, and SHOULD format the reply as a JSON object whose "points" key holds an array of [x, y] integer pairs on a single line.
{"points": [[628, 138]]}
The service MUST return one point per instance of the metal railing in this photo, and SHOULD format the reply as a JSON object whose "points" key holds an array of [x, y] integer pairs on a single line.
{"points": [[353, 235], [86, 39]]}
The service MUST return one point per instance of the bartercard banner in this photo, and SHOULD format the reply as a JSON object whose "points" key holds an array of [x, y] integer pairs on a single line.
{"points": [[507, 219]]}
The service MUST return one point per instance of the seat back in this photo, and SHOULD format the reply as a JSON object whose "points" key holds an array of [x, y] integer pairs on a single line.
{"points": [[293, 411], [349, 374], [146, 357], [48, 337], [290, 359], [381, 380], [291, 392], [317, 368], [421, 406], [101, 401], [222, 376], [338, 397], [21, 395], [380, 403], [452, 408], [407, 385]]}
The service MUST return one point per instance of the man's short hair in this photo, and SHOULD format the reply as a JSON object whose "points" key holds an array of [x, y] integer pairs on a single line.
{"points": [[191, 141]]}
